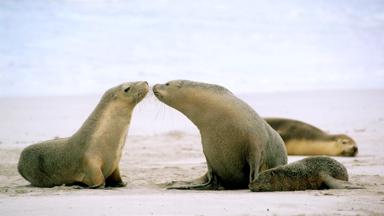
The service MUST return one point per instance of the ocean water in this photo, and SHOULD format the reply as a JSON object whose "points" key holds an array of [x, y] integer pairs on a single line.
{"points": [[61, 47], [26, 120]]}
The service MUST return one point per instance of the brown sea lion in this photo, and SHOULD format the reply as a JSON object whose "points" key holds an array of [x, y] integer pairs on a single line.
{"points": [[312, 173], [91, 156], [237, 143], [304, 139]]}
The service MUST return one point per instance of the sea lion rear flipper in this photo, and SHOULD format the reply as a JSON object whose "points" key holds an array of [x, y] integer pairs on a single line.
{"points": [[333, 183]]}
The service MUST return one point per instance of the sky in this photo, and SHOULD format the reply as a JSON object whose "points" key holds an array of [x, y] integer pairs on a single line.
{"points": [[68, 47]]}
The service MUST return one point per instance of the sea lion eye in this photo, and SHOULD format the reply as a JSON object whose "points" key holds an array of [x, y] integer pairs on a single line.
{"points": [[127, 89], [167, 84], [344, 142]]}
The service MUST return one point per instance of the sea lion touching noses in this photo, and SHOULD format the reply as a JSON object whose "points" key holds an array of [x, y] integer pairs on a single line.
{"points": [[237, 143], [90, 156]]}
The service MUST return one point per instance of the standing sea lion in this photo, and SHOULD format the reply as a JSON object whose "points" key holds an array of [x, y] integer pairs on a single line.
{"points": [[304, 139], [310, 173], [91, 156], [237, 143]]}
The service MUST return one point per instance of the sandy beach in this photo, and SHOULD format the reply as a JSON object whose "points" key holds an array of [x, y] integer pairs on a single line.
{"points": [[163, 146]]}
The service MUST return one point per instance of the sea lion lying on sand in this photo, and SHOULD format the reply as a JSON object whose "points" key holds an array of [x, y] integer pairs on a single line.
{"points": [[304, 139], [312, 173]]}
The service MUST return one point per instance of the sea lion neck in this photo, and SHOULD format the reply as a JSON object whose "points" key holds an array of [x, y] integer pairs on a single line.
{"points": [[106, 119], [210, 109]]}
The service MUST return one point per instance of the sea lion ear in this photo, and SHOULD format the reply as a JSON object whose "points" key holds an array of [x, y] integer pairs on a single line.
{"points": [[341, 141], [114, 96], [180, 84], [345, 141]]}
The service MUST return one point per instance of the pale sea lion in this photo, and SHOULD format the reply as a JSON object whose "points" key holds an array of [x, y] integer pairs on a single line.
{"points": [[304, 139], [312, 173], [237, 143], [91, 156]]}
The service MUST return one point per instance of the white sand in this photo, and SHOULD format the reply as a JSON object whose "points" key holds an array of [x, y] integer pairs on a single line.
{"points": [[155, 153]]}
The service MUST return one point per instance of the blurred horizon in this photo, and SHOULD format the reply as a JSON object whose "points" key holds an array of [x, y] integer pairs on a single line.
{"points": [[69, 47], [241, 94]]}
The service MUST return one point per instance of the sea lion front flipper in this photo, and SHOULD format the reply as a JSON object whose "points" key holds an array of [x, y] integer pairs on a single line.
{"points": [[206, 182], [333, 183], [186, 185], [114, 180], [205, 186], [94, 177]]}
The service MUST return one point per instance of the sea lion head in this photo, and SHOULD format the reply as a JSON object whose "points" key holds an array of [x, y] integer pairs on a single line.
{"points": [[182, 94], [346, 145], [263, 182], [129, 93]]}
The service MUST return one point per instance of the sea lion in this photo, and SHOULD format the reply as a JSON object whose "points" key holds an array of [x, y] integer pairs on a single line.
{"points": [[312, 173], [237, 142], [304, 139], [91, 156]]}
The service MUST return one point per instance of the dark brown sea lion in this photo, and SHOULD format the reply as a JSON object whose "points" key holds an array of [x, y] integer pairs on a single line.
{"points": [[312, 173]]}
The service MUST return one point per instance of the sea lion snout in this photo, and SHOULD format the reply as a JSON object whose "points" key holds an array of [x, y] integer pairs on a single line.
{"points": [[143, 84], [142, 90], [351, 152], [137, 89], [155, 87], [156, 90], [355, 150]]}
